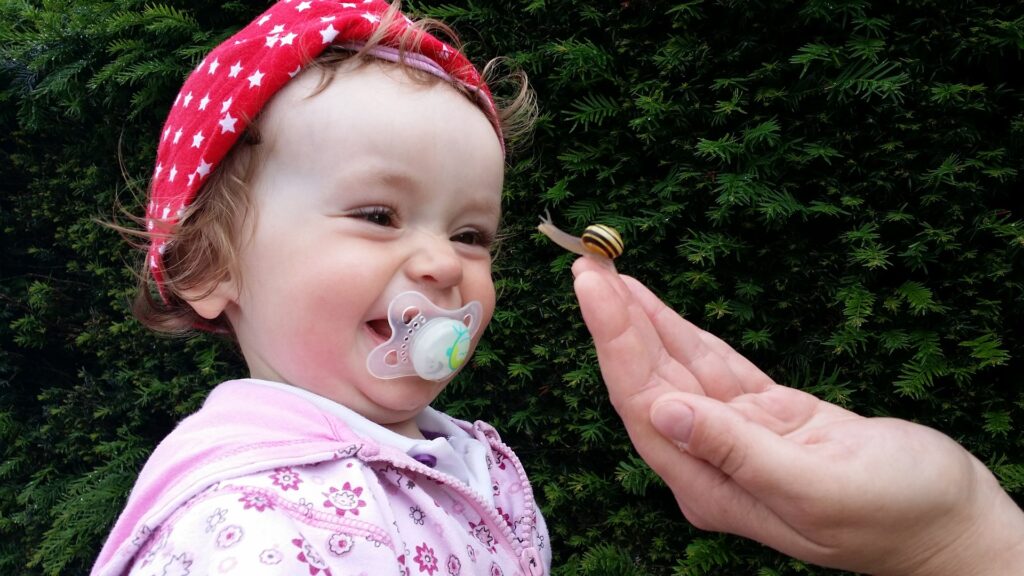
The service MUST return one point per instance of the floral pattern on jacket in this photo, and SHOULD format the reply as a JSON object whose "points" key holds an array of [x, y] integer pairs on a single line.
{"points": [[366, 509]]}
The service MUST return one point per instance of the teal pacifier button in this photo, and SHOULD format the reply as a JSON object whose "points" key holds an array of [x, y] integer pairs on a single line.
{"points": [[440, 348]]}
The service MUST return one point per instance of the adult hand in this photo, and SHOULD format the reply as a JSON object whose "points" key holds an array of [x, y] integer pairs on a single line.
{"points": [[745, 455]]}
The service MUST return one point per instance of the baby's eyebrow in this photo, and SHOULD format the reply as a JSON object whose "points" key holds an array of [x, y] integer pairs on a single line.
{"points": [[487, 208], [379, 178], [395, 179]]}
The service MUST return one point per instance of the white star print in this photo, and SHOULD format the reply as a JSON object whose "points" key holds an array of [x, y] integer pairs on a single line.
{"points": [[191, 178], [302, 6], [348, 5], [227, 123], [200, 66], [326, 18], [287, 38], [159, 169], [167, 209], [204, 102], [152, 262], [371, 18], [294, 72], [263, 20], [177, 136], [188, 98], [278, 29], [255, 78], [212, 67], [225, 105], [328, 34], [197, 139], [271, 40], [203, 168], [167, 133], [235, 70], [174, 172], [177, 98]]}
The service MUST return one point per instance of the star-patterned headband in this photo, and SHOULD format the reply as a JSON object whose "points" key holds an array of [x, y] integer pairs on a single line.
{"points": [[235, 80]]}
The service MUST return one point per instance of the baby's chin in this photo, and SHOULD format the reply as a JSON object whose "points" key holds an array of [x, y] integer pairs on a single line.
{"points": [[400, 399]]}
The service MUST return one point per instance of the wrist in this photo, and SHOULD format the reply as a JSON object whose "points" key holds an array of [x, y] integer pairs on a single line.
{"points": [[990, 541]]}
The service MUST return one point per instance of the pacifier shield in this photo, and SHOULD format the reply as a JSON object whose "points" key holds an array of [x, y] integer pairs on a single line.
{"points": [[426, 340]]}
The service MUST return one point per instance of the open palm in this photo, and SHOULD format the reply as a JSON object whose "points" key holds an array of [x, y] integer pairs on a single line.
{"points": [[745, 455]]}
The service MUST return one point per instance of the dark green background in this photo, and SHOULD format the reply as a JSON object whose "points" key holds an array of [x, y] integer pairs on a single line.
{"points": [[832, 187]]}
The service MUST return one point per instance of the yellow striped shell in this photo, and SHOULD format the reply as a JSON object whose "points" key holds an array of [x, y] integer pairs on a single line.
{"points": [[603, 240]]}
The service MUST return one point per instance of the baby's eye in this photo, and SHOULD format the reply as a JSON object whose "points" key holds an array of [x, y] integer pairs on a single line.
{"points": [[474, 238], [379, 215]]}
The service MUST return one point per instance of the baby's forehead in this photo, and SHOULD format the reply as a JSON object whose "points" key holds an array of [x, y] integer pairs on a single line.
{"points": [[376, 103], [365, 81], [374, 127]]}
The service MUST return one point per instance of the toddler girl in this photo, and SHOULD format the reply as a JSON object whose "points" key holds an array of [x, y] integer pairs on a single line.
{"points": [[327, 187]]}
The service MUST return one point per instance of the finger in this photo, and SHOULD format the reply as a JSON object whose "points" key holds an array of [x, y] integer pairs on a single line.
{"points": [[711, 499], [633, 363], [752, 378], [584, 264], [712, 362], [757, 459], [745, 473]]}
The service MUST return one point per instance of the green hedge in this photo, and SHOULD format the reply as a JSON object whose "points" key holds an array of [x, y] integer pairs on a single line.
{"points": [[831, 186]]}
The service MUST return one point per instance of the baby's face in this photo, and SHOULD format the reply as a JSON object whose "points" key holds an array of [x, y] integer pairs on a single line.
{"points": [[375, 186]]}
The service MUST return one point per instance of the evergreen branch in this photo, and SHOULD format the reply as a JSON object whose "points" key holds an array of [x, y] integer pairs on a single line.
{"points": [[592, 109], [869, 79]]}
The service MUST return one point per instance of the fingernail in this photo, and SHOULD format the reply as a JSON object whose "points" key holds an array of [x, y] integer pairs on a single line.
{"points": [[674, 420]]}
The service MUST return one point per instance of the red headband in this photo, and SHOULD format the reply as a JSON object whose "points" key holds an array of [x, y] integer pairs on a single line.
{"points": [[233, 83]]}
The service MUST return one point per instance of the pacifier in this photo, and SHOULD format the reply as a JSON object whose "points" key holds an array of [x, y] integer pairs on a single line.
{"points": [[426, 341]]}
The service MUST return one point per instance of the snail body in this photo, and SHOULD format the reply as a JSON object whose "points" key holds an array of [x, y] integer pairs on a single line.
{"points": [[597, 239]]}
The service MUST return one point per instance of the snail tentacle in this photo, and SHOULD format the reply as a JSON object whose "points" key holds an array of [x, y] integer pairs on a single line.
{"points": [[564, 239]]}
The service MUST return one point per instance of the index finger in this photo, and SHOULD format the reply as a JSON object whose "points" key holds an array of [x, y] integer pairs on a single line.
{"points": [[634, 365]]}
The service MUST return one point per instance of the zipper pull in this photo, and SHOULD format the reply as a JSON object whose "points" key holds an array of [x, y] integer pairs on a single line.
{"points": [[530, 562]]}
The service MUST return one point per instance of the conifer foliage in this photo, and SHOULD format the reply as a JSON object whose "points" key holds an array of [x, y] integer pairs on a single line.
{"points": [[831, 186]]}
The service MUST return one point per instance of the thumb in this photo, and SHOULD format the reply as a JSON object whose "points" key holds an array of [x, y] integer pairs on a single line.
{"points": [[753, 456]]}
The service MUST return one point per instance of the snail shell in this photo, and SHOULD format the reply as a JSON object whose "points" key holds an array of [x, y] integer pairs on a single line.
{"points": [[603, 240], [597, 240]]}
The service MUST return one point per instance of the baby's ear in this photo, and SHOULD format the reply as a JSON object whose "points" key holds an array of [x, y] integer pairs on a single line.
{"points": [[211, 303]]}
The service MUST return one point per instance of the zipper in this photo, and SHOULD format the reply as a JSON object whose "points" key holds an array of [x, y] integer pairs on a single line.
{"points": [[529, 557]]}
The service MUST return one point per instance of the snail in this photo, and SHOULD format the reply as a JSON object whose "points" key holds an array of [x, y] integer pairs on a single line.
{"points": [[597, 240]]}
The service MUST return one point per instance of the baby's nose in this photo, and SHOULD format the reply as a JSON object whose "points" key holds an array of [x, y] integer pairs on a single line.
{"points": [[435, 262]]}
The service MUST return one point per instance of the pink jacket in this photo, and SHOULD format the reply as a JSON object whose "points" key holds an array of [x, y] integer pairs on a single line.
{"points": [[262, 482]]}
